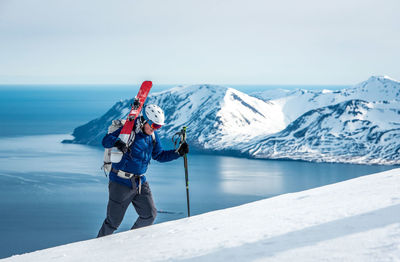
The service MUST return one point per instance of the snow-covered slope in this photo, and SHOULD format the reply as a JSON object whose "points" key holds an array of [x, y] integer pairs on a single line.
{"points": [[355, 220], [353, 131]]}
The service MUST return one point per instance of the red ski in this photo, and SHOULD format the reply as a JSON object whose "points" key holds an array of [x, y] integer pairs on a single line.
{"points": [[136, 108], [113, 155]]}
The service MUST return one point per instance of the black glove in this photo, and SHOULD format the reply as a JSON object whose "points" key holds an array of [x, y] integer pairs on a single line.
{"points": [[183, 149], [121, 146]]}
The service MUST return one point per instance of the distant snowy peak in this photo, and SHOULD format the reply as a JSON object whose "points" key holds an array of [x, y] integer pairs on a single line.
{"points": [[374, 89], [377, 88], [353, 131], [297, 102], [243, 113]]}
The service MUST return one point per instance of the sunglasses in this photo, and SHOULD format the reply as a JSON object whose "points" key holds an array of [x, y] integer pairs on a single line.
{"points": [[154, 125]]}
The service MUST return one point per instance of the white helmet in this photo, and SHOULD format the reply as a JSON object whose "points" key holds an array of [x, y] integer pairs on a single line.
{"points": [[154, 114]]}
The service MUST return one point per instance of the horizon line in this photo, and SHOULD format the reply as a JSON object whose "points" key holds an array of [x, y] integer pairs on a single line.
{"points": [[161, 84]]}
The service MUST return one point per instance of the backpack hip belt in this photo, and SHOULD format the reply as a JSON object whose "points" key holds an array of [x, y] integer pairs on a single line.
{"points": [[132, 177]]}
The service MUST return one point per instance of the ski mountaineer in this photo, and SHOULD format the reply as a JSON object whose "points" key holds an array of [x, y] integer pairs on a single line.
{"points": [[127, 181]]}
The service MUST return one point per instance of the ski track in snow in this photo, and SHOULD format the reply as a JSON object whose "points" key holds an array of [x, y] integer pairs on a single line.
{"points": [[355, 220]]}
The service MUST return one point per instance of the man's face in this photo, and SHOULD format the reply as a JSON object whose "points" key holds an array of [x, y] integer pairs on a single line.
{"points": [[147, 129]]}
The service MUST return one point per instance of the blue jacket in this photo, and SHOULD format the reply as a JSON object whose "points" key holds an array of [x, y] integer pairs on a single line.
{"points": [[138, 158]]}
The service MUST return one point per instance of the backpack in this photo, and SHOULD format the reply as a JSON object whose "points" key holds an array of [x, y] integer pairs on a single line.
{"points": [[114, 156]]}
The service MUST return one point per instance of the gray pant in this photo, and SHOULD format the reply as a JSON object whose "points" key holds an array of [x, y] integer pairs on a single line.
{"points": [[120, 197]]}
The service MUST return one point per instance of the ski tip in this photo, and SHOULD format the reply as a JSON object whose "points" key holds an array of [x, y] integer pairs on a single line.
{"points": [[147, 83]]}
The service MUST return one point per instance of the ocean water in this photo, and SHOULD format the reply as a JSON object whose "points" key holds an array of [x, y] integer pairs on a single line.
{"points": [[34, 110], [53, 193]]}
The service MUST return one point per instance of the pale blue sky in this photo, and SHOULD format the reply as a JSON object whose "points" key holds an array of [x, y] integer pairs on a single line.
{"points": [[198, 41]]}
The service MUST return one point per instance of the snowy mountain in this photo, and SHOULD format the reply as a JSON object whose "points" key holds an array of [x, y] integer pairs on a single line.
{"points": [[295, 103], [354, 125], [353, 131], [355, 220], [216, 117], [300, 124]]}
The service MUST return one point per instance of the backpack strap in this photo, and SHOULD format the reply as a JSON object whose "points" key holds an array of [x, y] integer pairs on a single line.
{"points": [[136, 130], [131, 138]]}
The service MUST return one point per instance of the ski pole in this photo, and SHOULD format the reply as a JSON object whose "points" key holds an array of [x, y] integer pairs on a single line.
{"points": [[182, 135], [185, 163]]}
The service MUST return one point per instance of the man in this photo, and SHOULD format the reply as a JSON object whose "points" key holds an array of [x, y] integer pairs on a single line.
{"points": [[127, 181]]}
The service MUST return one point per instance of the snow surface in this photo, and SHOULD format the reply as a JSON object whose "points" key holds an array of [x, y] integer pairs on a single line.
{"points": [[355, 220]]}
